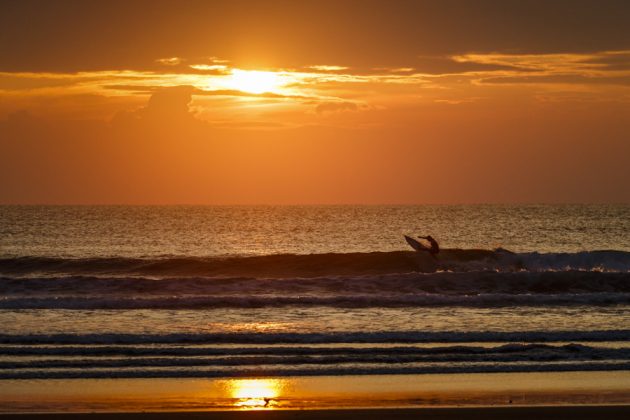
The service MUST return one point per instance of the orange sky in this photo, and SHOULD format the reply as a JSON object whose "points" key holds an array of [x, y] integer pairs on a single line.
{"points": [[314, 102]]}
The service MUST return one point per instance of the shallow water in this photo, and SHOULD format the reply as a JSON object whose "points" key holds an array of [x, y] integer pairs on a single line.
{"points": [[322, 392], [198, 231]]}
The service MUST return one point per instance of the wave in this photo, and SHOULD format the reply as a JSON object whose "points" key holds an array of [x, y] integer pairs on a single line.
{"points": [[209, 302], [318, 338], [472, 283], [325, 370], [262, 354], [476, 289], [32, 356], [194, 350], [321, 356], [475, 278], [318, 265]]}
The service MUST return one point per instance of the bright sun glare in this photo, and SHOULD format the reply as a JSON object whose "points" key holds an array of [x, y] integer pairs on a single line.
{"points": [[254, 393], [254, 81]]}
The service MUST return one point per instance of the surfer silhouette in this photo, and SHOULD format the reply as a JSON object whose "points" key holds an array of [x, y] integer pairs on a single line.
{"points": [[424, 264], [435, 247]]}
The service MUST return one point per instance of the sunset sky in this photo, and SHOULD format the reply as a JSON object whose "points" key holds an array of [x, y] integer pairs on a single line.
{"points": [[314, 102]]}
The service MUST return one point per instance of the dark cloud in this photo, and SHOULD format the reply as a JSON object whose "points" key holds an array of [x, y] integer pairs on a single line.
{"points": [[166, 107], [170, 102], [556, 79], [138, 89], [612, 61], [20, 120], [441, 65], [186, 68], [74, 35]]}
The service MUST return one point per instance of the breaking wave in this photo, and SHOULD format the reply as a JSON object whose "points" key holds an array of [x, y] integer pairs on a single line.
{"points": [[474, 289], [317, 265], [475, 278]]}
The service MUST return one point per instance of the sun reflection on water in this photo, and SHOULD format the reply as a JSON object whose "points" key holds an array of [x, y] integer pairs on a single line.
{"points": [[255, 393]]}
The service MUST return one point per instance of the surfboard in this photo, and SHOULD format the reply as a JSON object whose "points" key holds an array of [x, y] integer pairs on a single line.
{"points": [[415, 244]]}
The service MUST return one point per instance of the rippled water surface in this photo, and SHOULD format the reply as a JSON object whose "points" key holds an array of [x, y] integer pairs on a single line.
{"points": [[205, 292], [134, 231]]}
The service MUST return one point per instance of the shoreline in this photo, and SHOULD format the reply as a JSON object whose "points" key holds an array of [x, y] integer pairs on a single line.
{"points": [[513, 391], [609, 412]]}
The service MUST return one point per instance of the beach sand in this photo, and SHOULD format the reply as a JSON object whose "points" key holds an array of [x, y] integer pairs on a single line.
{"points": [[516, 395], [486, 413]]}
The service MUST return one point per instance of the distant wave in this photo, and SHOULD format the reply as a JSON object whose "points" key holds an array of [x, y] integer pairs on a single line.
{"points": [[318, 338], [317, 265]]}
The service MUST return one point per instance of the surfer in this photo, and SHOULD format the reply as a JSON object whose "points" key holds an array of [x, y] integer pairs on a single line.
{"points": [[434, 249]]}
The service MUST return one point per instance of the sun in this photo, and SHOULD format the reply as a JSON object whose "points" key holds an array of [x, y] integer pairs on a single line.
{"points": [[254, 81]]}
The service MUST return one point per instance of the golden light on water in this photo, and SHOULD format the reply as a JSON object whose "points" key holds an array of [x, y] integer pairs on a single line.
{"points": [[255, 393]]}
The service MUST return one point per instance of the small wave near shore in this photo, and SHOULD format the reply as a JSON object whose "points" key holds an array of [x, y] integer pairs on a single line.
{"points": [[211, 355]]}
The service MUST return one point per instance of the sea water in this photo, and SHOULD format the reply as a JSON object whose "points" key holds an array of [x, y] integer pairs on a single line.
{"points": [[114, 292]]}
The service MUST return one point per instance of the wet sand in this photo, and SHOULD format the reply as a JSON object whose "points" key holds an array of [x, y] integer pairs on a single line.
{"points": [[486, 413], [556, 395]]}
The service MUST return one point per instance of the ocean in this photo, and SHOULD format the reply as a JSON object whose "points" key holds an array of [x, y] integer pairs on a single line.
{"points": [[110, 292]]}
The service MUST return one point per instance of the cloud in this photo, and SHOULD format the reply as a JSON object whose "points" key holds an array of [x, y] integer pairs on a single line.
{"points": [[557, 62], [330, 89], [170, 100], [457, 101], [21, 81], [575, 79], [376, 33], [401, 70], [612, 60], [218, 60], [136, 89], [553, 70], [21, 120], [459, 64], [144, 89], [327, 107], [208, 67], [170, 61], [171, 106], [166, 107], [234, 92], [328, 68]]}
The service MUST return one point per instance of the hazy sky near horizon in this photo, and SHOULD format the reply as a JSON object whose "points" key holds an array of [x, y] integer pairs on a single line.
{"points": [[314, 102]]}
